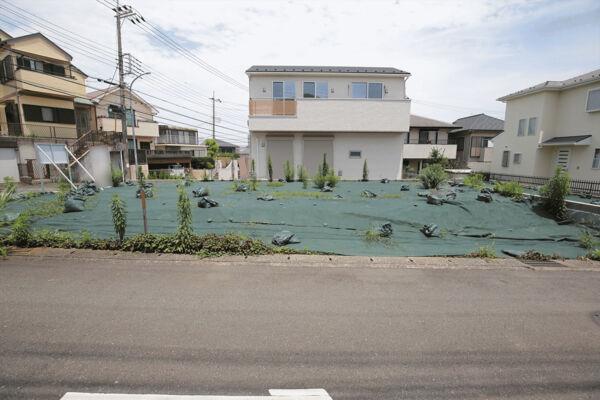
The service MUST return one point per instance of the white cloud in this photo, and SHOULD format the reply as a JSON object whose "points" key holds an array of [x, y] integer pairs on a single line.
{"points": [[462, 54]]}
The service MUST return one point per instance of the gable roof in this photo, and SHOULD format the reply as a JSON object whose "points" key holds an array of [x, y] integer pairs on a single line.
{"points": [[417, 121], [223, 143], [589, 77], [98, 95], [325, 69], [479, 122], [14, 40]]}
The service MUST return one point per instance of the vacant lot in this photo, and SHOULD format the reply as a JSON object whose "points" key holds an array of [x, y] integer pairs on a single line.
{"points": [[337, 222]]}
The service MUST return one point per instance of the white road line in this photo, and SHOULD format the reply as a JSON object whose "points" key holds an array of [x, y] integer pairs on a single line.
{"points": [[275, 394]]}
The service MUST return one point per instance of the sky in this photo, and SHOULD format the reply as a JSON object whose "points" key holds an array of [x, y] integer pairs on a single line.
{"points": [[462, 55]]}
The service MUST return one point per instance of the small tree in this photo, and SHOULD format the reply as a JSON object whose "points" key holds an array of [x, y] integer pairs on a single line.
{"points": [[116, 176], [212, 148], [324, 166], [555, 192], [270, 168], [437, 157], [119, 216], [303, 176], [432, 176], [288, 171], [365, 176], [184, 213]]}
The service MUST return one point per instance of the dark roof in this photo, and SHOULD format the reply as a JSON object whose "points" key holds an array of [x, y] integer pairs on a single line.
{"points": [[567, 139], [479, 122], [223, 143], [588, 77], [326, 69], [417, 121]]}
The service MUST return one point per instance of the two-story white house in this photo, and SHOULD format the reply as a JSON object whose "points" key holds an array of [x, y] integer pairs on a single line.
{"points": [[351, 114], [554, 123]]}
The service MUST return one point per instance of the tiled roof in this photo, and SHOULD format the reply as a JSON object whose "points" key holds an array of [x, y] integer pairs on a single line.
{"points": [[418, 121], [588, 77], [479, 122], [326, 69]]}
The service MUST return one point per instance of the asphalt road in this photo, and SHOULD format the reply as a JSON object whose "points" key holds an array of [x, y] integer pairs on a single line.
{"points": [[360, 333]]}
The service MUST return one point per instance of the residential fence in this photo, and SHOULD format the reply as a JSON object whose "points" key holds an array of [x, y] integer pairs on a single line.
{"points": [[577, 186]]}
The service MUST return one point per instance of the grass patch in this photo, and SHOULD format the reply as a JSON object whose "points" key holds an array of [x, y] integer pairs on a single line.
{"points": [[474, 181], [533, 255], [511, 189], [275, 184], [587, 241], [483, 252], [389, 196], [285, 194]]}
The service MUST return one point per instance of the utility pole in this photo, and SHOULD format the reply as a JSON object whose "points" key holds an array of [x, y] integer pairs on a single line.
{"points": [[118, 12], [213, 113]]}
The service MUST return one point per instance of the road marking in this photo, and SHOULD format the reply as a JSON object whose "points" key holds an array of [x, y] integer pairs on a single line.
{"points": [[275, 394]]}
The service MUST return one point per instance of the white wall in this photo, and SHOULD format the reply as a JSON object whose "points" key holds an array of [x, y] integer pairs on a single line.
{"points": [[98, 163], [383, 152], [8, 164]]}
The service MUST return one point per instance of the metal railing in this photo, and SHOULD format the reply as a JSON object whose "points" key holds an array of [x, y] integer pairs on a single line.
{"points": [[272, 107], [577, 186], [39, 131], [417, 141], [169, 153]]}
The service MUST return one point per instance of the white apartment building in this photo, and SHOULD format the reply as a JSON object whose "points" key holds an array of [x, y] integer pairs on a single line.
{"points": [[554, 123], [351, 114]]}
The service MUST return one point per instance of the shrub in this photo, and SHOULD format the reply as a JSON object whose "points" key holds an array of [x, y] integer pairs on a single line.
{"points": [[510, 189], [587, 241], [594, 255], [9, 190], [302, 174], [21, 232], [288, 171], [321, 180], [432, 176], [116, 176], [3, 252], [203, 163], [474, 180], [555, 192], [270, 168], [184, 213], [324, 166], [437, 157], [212, 148], [119, 217], [365, 174]]}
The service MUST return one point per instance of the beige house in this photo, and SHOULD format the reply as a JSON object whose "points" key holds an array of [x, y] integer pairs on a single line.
{"points": [[554, 123], [42, 100], [425, 134], [175, 145], [351, 114], [472, 138], [139, 116]]}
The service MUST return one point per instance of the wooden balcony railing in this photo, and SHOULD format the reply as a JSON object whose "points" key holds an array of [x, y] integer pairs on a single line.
{"points": [[272, 107]]}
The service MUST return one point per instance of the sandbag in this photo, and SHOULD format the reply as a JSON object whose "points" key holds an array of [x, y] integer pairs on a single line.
{"points": [[386, 230], [74, 204], [435, 200], [327, 188], [430, 230], [284, 237], [405, 188], [368, 194], [486, 190], [485, 197], [242, 188], [200, 191], [266, 198], [384, 180], [422, 194], [207, 202]]}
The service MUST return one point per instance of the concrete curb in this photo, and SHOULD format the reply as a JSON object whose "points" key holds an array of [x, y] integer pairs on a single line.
{"points": [[308, 261]]}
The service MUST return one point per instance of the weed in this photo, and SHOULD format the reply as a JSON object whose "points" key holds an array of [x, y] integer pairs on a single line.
{"points": [[474, 181], [555, 192], [432, 176], [275, 184], [365, 174], [3, 252], [284, 194], [511, 189], [587, 241], [270, 168], [119, 216], [483, 252], [594, 255], [116, 176], [288, 171], [389, 196], [534, 255], [21, 231]]}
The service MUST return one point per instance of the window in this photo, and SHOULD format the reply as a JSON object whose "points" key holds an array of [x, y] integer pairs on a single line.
{"points": [[375, 90], [593, 100], [6, 69], [40, 66], [517, 158], [322, 90], [505, 158], [309, 90], [521, 131], [34, 113], [596, 162], [359, 90], [355, 154], [284, 90], [532, 126], [562, 158], [130, 116], [424, 137]]}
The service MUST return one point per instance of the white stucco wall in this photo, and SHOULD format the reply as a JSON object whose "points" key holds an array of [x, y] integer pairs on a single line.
{"points": [[559, 114], [8, 164], [383, 152]]}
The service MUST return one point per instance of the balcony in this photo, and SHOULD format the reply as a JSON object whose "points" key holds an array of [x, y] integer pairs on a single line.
{"points": [[416, 150], [40, 130], [329, 115], [39, 82], [143, 128]]}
